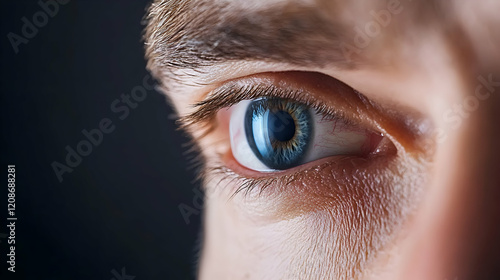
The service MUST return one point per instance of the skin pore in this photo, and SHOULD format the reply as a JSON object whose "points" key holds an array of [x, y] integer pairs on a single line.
{"points": [[425, 75]]}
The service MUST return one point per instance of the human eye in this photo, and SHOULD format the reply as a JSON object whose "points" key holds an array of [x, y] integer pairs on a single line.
{"points": [[328, 130], [270, 134]]}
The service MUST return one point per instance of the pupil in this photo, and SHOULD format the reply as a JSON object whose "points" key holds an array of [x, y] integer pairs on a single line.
{"points": [[281, 126]]}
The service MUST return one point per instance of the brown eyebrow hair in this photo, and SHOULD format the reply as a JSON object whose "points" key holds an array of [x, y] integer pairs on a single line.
{"points": [[195, 33], [191, 34]]}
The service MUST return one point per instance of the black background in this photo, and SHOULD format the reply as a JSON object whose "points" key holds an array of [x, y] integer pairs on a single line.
{"points": [[119, 207]]}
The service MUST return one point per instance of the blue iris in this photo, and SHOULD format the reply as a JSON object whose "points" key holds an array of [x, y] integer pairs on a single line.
{"points": [[278, 131]]}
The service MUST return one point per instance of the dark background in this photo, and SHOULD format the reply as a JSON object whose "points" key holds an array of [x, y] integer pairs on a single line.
{"points": [[119, 207]]}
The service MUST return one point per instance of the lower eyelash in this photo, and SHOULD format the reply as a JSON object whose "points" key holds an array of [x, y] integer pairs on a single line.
{"points": [[245, 184], [218, 170]]}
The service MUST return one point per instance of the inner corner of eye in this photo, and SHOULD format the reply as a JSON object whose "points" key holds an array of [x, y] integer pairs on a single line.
{"points": [[270, 134]]}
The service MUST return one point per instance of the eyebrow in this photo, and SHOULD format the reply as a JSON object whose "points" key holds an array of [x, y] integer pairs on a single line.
{"points": [[193, 34]]}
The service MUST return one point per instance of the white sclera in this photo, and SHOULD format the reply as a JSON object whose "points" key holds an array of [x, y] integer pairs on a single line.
{"points": [[334, 137]]}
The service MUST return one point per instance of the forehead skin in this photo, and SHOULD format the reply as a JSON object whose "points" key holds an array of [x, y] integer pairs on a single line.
{"points": [[434, 41], [190, 34]]}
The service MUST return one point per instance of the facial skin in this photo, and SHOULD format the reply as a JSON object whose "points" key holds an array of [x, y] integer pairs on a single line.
{"points": [[424, 74]]}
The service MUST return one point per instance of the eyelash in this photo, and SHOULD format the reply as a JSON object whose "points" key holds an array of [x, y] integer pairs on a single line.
{"points": [[202, 119], [230, 95], [247, 184]]}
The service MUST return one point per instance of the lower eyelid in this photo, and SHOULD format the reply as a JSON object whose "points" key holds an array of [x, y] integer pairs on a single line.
{"points": [[310, 187]]}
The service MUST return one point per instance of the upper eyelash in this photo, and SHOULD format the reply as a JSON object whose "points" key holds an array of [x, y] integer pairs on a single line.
{"points": [[231, 94]]}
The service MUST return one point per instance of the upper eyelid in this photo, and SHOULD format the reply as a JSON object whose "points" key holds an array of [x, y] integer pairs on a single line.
{"points": [[235, 92]]}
